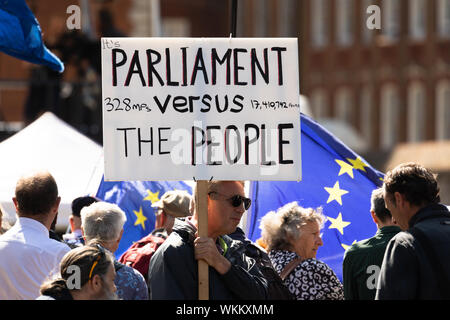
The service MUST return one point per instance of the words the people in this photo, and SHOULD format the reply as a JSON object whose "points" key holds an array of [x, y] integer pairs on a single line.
{"points": [[229, 145]]}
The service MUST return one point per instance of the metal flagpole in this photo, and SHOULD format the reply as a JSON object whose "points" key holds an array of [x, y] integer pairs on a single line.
{"points": [[233, 17]]}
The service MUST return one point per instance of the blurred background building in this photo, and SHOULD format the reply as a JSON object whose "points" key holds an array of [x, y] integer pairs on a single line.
{"points": [[378, 88]]}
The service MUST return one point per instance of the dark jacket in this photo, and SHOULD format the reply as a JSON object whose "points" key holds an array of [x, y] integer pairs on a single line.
{"points": [[362, 263], [173, 272], [407, 272]]}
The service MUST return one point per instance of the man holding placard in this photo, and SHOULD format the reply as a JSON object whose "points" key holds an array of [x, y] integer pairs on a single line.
{"points": [[202, 108], [232, 275]]}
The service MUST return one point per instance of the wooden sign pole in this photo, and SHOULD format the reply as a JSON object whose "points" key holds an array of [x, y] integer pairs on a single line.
{"points": [[202, 202], [202, 210]]}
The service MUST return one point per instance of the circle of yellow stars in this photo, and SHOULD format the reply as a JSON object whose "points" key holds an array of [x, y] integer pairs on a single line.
{"points": [[336, 193]]}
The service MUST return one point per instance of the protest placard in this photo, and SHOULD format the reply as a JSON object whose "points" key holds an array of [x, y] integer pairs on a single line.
{"points": [[221, 108]]}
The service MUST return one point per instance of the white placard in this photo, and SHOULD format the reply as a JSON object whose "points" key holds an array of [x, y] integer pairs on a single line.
{"points": [[184, 108]]}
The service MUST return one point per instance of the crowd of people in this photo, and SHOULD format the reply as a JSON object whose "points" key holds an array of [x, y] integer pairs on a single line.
{"points": [[405, 259]]}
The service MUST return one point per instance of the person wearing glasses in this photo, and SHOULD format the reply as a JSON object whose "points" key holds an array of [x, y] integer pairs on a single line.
{"points": [[87, 273], [173, 271], [292, 236], [103, 222], [27, 254]]}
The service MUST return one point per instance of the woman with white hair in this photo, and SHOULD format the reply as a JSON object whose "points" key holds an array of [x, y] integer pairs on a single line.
{"points": [[292, 236]]}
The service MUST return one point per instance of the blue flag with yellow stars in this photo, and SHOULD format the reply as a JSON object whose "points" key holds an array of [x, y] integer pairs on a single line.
{"points": [[334, 178], [135, 198], [20, 35]]}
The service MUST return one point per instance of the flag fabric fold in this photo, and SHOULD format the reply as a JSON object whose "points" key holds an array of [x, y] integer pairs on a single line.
{"points": [[334, 178], [135, 199], [21, 36]]}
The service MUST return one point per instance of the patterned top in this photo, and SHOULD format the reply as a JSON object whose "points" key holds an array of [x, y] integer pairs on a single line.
{"points": [[130, 284], [310, 280]]}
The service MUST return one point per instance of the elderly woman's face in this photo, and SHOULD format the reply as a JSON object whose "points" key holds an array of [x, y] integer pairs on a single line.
{"points": [[309, 241]]}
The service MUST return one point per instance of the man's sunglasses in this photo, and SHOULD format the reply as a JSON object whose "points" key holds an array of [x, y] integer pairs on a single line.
{"points": [[236, 200]]}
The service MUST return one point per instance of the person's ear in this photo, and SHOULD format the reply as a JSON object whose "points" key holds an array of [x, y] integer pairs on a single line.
{"points": [[16, 204], [56, 206], [157, 220], [399, 199], [374, 217], [120, 237], [163, 217], [96, 283], [82, 234], [72, 224]]}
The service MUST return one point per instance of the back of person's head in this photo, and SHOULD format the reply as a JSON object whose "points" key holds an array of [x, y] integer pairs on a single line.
{"points": [[36, 194], [175, 203], [103, 221], [378, 206], [77, 267], [279, 227], [417, 183], [81, 202]]}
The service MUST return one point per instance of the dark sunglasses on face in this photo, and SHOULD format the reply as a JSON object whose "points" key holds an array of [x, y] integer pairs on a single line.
{"points": [[236, 200]]}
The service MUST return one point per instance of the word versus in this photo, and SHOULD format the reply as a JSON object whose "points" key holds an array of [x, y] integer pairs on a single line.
{"points": [[181, 104]]}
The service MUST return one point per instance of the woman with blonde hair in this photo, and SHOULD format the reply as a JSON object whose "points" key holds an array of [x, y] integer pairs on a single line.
{"points": [[292, 237]]}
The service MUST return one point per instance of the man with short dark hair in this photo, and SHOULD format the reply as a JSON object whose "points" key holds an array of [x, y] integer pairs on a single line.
{"points": [[362, 261], [173, 272], [75, 237], [28, 255], [416, 261]]}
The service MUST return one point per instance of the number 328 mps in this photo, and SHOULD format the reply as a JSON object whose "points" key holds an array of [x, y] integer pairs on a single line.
{"points": [[115, 104]]}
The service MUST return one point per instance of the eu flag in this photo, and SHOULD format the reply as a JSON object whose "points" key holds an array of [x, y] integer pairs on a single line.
{"points": [[136, 198], [20, 35], [334, 178]]}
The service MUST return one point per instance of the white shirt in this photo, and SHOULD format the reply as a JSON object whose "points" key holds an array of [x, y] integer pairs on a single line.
{"points": [[28, 257]]}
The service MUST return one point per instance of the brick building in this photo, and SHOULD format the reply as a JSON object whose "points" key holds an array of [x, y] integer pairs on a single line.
{"points": [[392, 84], [182, 18]]}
